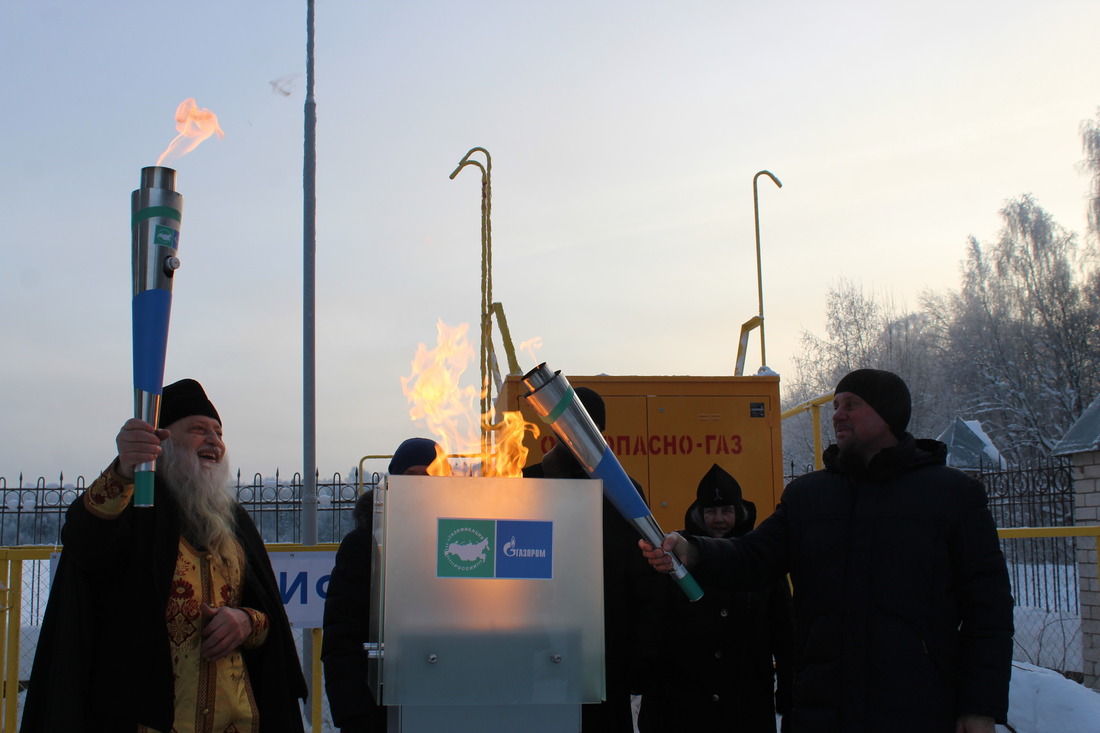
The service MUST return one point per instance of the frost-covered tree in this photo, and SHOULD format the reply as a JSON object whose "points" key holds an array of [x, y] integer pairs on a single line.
{"points": [[1022, 341], [1090, 142], [864, 331]]}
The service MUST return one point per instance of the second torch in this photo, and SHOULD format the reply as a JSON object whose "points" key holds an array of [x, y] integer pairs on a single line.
{"points": [[552, 397]]}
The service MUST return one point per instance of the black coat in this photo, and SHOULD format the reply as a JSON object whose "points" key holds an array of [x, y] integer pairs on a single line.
{"points": [[903, 613], [628, 585], [347, 623], [103, 647], [712, 667]]}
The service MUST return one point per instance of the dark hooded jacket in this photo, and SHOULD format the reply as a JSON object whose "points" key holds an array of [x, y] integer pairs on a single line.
{"points": [[628, 585], [903, 613], [347, 626], [103, 660], [719, 659]]}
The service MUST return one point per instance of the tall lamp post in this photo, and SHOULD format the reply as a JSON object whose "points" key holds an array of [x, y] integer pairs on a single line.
{"points": [[309, 338]]}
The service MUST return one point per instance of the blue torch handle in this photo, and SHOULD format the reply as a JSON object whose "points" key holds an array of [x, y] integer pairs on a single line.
{"points": [[151, 310], [618, 487], [620, 491]]}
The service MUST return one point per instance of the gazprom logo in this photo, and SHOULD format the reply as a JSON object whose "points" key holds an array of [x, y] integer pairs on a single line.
{"points": [[528, 551], [472, 548], [510, 550]]}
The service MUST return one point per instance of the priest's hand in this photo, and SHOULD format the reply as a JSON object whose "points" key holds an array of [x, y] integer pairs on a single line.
{"points": [[224, 629], [137, 443]]}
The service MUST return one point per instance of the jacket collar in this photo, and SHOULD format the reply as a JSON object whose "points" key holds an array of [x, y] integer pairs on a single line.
{"points": [[908, 454]]}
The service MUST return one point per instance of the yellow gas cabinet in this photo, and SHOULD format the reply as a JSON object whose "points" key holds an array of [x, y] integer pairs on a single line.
{"points": [[668, 431]]}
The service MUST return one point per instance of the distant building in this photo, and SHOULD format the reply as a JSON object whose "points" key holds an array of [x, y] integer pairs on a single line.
{"points": [[1084, 435], [969, 448]]}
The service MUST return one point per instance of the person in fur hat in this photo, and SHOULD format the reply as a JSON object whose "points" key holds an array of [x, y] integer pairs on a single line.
{"points": [[731, 648]]}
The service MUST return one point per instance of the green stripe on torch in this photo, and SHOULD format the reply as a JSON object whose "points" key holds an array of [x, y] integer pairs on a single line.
{"points": [[143, 488], [148, 213], [562, 406]]}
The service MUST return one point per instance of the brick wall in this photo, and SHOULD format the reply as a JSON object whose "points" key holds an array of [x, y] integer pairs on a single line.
{"points": [[1086, 484]]}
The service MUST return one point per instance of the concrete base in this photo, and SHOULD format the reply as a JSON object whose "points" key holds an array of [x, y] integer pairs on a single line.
{"points": [[484, 718]]}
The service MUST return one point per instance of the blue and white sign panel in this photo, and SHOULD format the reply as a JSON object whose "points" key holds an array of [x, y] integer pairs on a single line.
{"points": [[302, 577], [525, 549]]}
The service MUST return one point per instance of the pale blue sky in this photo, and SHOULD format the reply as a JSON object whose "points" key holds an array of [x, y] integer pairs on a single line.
{"points": [[624, 136]]}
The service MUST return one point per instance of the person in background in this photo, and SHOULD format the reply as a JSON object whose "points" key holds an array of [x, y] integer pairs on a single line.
{"points": [[165, 618], [627, 591], [731, 649], [348, 614], [903, 609]]}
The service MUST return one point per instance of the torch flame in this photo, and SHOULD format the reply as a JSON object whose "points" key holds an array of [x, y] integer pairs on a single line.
{"points": [[530, 347], [194, 125], [435, 396]]}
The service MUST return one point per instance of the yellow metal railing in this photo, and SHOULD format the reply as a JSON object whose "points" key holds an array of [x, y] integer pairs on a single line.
{"points": [[11, 604], [1038, 532], [11, 582], [814, 406]]}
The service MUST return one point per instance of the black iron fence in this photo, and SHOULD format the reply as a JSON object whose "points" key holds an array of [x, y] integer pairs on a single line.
{"points": [[1039, 494], [31, 513]]}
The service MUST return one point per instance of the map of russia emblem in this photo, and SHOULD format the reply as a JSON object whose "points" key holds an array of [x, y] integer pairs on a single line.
{"points": [[466, 548]]}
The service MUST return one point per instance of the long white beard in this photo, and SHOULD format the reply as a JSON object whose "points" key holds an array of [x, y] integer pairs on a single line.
{"points": [[205, 499]]}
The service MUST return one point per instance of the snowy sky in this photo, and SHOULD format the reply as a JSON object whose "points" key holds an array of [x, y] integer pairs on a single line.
{"points": [[624, 135]]}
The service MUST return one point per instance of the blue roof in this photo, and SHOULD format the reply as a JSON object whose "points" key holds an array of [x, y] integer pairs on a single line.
{"points": [[1084, 435], [968, 446]]}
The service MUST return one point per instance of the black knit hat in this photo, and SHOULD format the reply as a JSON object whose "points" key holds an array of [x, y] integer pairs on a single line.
{"points": [[718, 488], [593, 404], [885, 392], [412, 452], [183, 399]]}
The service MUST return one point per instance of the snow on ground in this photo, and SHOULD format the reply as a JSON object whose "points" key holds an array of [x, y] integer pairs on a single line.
{"points": [[1042, 701]]}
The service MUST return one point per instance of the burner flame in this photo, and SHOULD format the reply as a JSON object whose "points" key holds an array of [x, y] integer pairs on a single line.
{"points": [[436, 397]]}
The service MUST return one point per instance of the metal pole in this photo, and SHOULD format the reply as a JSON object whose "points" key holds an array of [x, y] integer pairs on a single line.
{"points": [[309, 336], [486, 285], [759, 269]]}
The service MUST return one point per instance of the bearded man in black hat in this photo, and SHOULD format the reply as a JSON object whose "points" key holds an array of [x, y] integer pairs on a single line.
{"points": [[165, 618], [903, 611]]}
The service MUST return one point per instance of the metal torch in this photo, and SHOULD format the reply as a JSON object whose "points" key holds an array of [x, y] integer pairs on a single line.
{"points": [[557, 404], [156, 211]]}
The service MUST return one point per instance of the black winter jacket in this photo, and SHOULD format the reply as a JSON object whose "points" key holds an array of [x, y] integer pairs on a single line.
{"points": [[722, 662], [903, 613], [347, 625], [629, 585]]}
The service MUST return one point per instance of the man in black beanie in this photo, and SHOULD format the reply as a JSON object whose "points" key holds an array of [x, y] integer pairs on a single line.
{"points": [[165, 618], [903, 611], [871, 412]]}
